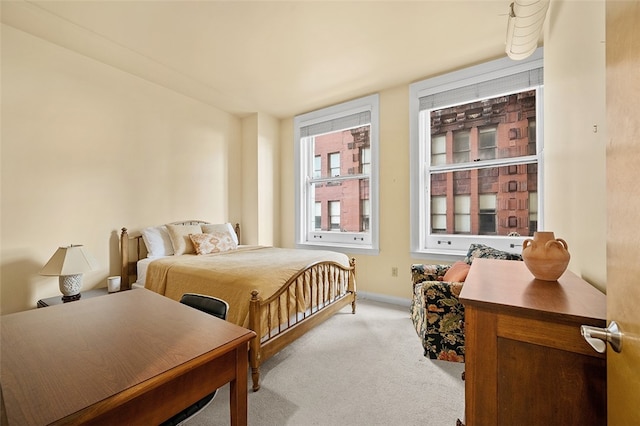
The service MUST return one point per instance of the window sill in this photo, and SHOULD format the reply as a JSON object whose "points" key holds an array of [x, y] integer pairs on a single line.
{"points": [[342, 248], [440, 255]]}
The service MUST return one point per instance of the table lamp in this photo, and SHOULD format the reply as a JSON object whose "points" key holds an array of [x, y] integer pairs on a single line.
{"points": [[69, 263]]}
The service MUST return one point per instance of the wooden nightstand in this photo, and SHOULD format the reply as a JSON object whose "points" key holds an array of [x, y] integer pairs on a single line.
{"points": [[57, 300]]}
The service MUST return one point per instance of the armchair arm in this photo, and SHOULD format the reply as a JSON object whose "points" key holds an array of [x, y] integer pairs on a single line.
{"points": [[421, 273], [436, 304]]}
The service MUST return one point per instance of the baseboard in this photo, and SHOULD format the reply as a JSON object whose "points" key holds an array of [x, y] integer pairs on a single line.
{"points": [[400, 301]]}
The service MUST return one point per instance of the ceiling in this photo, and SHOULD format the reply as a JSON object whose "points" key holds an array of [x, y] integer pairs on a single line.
{"points": [[282, 58]]}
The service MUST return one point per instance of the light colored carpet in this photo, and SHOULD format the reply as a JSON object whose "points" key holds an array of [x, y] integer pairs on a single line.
{"points": [[362, 369]]}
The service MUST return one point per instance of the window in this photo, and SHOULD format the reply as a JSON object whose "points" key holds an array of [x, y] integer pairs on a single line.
{"points": [[366, 212], [487, 204], [336, 154], [317, 166], [487, 143], [317, 223], [334, 215], [334, 164], [438, 149], [365, 161], [439, 214], [475, 148], [461, 146]]}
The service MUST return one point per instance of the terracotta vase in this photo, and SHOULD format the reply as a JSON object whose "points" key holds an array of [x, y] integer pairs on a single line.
{"points": [[546, 256]]}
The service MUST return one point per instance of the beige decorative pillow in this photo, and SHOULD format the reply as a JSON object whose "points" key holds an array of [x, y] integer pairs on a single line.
{"points": [[213, 243], [180, 240], [210, 228]]}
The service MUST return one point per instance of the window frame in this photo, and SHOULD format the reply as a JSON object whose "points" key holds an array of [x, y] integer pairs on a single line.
{"points": [[346, 242], [453, 246]]}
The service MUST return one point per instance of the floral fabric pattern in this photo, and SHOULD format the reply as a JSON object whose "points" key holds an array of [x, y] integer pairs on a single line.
{"points": [[437, 314], [483, 251], [436, 310]]}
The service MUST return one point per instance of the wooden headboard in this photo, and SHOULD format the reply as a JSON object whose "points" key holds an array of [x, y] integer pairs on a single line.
{"points": [[128, 267]]}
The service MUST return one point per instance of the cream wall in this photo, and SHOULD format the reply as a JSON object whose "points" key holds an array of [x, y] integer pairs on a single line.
{"points": [[574, 158], [575, 134], [88, 149], [261, 180]]}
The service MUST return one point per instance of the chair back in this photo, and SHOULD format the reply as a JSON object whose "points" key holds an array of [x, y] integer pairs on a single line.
{"points": [[209, 304]]}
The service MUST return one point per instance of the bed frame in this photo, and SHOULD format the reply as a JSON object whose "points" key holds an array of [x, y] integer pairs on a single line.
{"points": [[339, 291]]}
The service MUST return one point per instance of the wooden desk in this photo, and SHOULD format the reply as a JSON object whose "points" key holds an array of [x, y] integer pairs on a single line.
{"points": [[133, 357], [526, 361]]}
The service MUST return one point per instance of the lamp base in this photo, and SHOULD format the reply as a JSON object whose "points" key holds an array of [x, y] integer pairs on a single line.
{"points": [[70, 286], [66, 299]]}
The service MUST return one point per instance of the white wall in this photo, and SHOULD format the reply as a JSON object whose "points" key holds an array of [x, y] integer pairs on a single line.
{"points": [[88, 149]]}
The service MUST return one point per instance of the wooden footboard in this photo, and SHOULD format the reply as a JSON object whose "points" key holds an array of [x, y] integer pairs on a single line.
{"points": [[326, 288]]}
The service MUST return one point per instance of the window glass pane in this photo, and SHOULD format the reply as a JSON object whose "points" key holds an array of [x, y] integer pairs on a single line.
{"points": [[438, 223], [487, 143], [499, 127], [438, 150], [487, 214], [334, 215], [487, 202], [365, 161], [532, 136], [317, 222], [463, 204], [490, 188], [334, 164], [462, 214], [348, 205], [347, 152], [317, 166], [366, 213], [461, 147], [439, 214], [439, 205], [533, 212]]}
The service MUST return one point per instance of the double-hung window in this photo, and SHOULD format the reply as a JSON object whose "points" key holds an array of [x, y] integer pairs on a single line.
{"points": [[336, 155], [476, 156]]}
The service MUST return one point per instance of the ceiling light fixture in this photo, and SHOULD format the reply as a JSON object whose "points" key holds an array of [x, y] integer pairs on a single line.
{"points": [[526, 19]]}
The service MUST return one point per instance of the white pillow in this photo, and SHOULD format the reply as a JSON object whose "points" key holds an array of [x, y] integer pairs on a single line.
{"points": [[157, 240], [220, 227]]}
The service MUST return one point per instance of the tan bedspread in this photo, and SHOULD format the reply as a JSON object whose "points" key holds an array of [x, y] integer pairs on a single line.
{"points": [[233, 275]]}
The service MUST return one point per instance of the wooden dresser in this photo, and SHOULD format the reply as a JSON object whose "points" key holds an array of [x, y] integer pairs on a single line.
{"points": [[526, 362]]}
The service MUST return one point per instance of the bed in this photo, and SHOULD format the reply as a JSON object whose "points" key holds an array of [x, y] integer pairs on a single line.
{"points": [[278, 293]]}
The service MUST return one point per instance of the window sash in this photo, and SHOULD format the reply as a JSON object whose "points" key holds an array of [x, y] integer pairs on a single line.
{"points": [[345, 116], [492, 79]]}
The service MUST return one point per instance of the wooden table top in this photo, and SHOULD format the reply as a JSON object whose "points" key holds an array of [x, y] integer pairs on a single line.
{"points": [[508, 284], [61, 359]]}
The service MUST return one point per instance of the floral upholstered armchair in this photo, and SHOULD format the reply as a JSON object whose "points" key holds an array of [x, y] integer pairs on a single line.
{"points": [[436, 311]]}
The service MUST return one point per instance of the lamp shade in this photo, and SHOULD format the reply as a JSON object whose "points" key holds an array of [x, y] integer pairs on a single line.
{"points": [[71, 260], [526, 19]]}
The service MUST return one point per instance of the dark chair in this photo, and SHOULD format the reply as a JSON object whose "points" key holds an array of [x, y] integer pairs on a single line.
{"points": [[217, 308]]}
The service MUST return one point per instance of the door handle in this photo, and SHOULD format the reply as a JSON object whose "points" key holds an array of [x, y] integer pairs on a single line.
{"points": [[598, 337]]}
